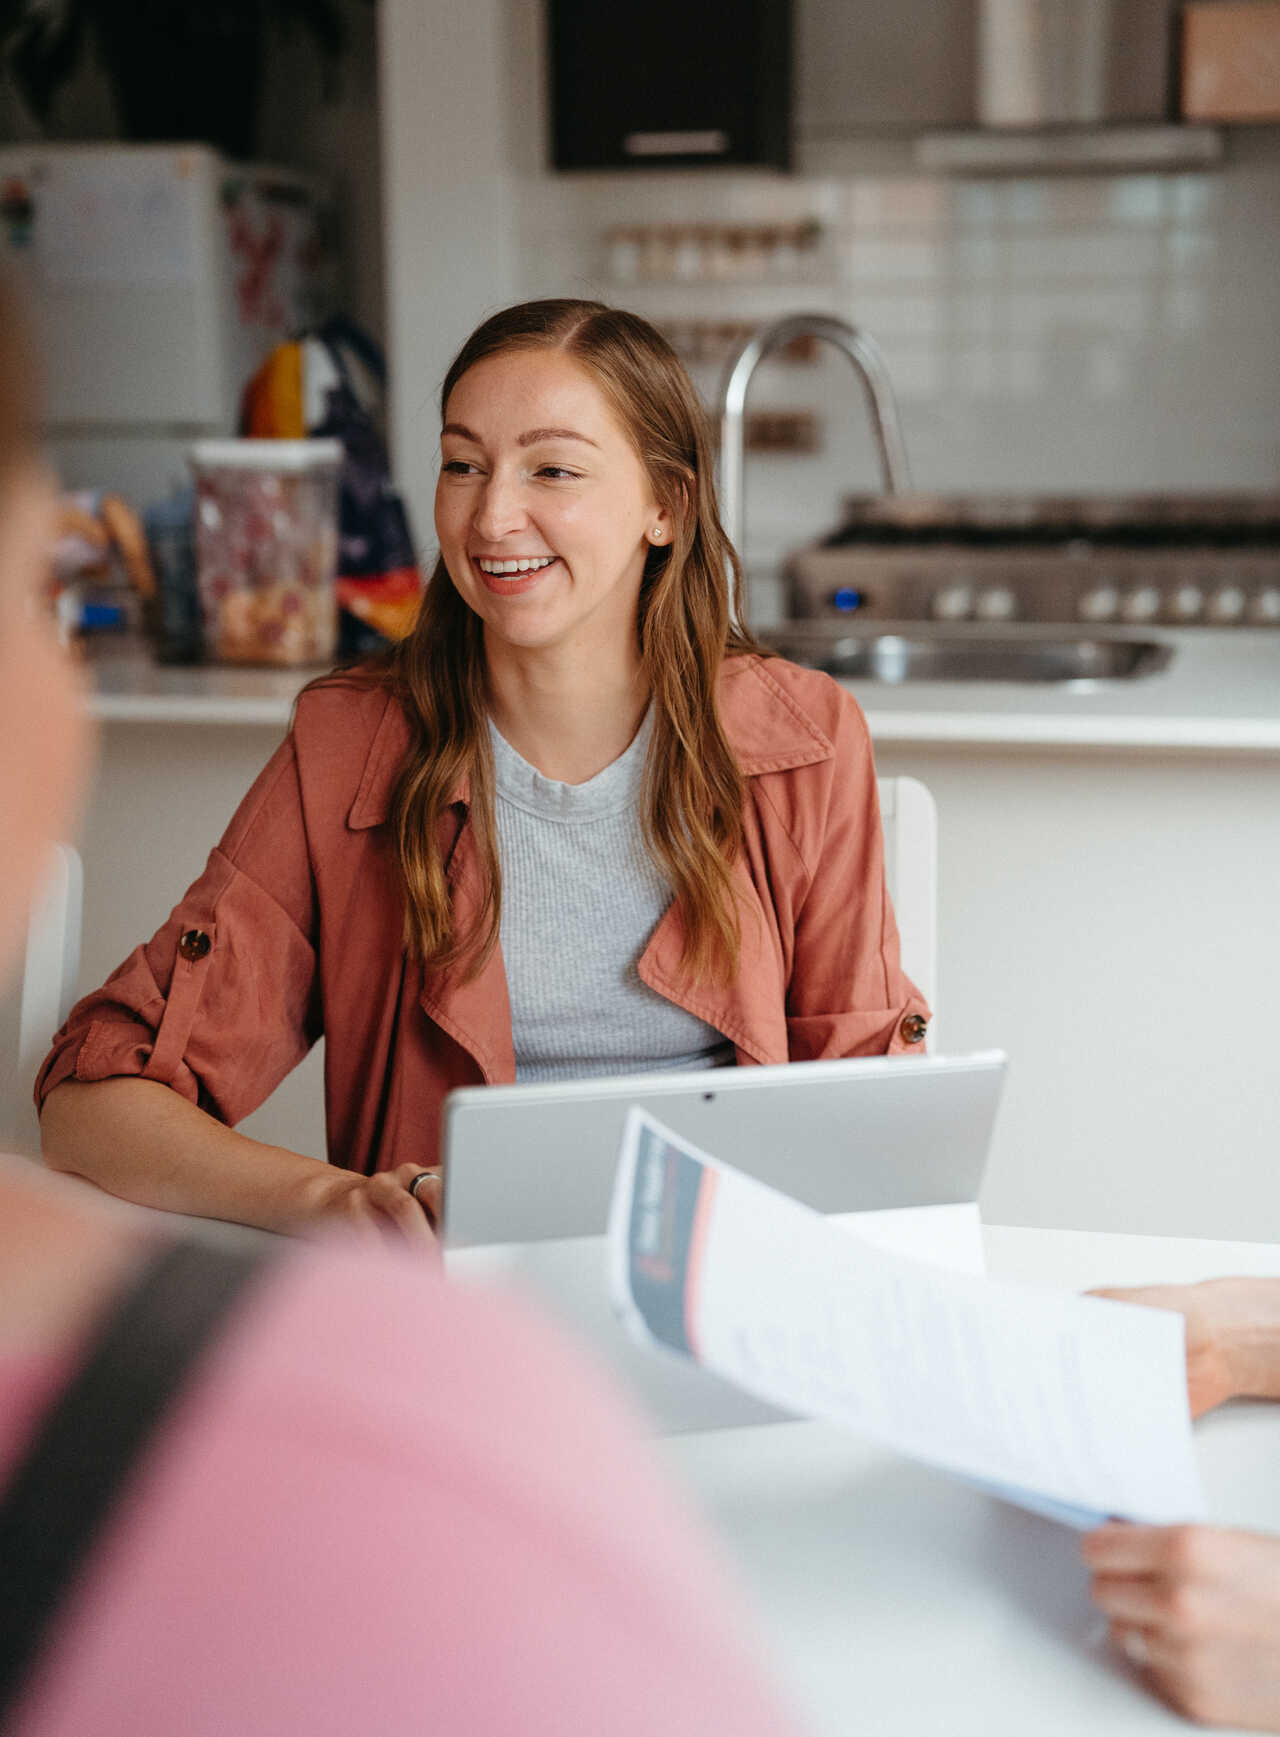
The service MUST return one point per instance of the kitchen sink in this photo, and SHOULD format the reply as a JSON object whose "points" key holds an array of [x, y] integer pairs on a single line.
{"points": [[915, 656]]}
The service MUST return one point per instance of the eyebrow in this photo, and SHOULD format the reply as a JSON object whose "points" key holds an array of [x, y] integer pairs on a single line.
{"points": [[530, 438]]}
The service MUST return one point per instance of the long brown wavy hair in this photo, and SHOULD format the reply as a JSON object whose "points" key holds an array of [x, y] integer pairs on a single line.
{"points": [[690, 605]]}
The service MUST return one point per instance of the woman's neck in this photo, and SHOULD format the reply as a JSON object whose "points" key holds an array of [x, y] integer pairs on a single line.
{"points": [[565, 716]]}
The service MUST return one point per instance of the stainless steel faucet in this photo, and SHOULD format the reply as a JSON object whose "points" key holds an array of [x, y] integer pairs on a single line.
{"points": [[861, 349]]}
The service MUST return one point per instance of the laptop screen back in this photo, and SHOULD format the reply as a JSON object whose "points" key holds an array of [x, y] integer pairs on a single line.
{"points": [[529, 1174]]}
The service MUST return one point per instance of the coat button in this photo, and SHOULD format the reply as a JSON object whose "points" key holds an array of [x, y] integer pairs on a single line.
{"points": [[913, 1028], [194, 945]]}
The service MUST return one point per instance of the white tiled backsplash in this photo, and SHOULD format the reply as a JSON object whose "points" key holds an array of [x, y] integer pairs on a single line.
{"points": [[1101, 333]]}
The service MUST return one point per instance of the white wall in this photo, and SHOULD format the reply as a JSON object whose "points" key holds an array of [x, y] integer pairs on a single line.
{"points": [[1053, 334], [448, 195]]}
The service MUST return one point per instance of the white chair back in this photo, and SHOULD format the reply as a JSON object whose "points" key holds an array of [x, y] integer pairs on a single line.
{"points": [[52, 959], [909, 817]]}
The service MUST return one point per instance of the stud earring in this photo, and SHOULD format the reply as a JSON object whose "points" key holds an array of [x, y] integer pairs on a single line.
{"points": [[657, 534]]}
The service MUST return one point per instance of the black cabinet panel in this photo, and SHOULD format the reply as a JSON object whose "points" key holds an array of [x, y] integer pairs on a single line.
{"points": [[656, 83]]}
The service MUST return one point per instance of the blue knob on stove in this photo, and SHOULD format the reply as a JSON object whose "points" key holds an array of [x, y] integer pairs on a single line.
{"points": [[846, 599]]}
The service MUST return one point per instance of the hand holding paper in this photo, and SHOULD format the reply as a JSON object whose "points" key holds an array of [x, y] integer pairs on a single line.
{"points": [[1072, 1405]]}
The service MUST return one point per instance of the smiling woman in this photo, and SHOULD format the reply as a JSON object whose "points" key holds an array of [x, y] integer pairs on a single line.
{"points": [[235, 1499], [572, 434], [578, 822]]}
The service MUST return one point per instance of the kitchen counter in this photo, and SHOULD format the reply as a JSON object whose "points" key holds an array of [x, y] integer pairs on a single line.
{"points": [[129, 688], [1220, 694]]}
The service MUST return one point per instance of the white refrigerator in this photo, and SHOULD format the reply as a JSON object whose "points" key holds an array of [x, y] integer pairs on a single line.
{"points": [[158, 277]]}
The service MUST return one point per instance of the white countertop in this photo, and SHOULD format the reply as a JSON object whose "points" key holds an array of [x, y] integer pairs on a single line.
{"points": [[1220, 694], [129, 688]]}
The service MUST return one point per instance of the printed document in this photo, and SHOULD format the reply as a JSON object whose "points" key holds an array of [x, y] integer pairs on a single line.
{"points": [[1074, 1406]]}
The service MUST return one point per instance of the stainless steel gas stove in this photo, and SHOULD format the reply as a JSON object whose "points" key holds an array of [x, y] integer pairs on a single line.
{"points": [[1185, 561], [929, 587]]}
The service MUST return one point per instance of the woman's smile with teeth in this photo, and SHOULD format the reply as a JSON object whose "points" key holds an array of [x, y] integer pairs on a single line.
{"points": [[528, 564]]}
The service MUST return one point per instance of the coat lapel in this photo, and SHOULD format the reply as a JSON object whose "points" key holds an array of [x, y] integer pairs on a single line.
{"points": [[768, 733], [751, 1009], [475, 1011]]}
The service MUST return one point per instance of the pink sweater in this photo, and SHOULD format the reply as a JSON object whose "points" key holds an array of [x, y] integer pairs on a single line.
{"points": [[389, 1505]]}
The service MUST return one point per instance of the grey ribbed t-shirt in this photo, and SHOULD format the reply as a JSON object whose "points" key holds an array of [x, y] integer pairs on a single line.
{"points": [[580, 898]]}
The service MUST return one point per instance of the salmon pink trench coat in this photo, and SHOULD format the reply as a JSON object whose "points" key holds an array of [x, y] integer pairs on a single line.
{"points": [[295, 929]]}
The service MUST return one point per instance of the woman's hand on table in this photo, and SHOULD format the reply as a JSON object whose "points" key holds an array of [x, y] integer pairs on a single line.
{"points": [[378, 1207], [1233, 1335], [1197, 1610], [143, 1142]]}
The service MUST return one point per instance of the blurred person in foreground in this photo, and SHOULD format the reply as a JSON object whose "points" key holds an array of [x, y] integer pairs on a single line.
{"points": [[1197, 1608], [378, 1503]]}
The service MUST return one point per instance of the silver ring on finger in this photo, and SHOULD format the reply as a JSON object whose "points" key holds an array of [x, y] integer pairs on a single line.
{"points": [[420, 1178]]}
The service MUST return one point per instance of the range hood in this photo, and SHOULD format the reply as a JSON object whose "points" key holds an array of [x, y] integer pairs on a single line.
{"points": [[1095, 148], [1073, 85]]}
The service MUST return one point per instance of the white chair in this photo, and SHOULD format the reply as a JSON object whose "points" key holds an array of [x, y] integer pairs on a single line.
{"points": [[52, 960], [909, 817]]}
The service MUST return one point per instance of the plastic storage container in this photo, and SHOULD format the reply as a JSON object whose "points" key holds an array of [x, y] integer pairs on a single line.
{"points": [[267, 548]]}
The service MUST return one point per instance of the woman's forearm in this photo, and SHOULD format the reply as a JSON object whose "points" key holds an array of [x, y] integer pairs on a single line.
{"points": [[141, 1141], [1233, 1335], [1252, 1308]]}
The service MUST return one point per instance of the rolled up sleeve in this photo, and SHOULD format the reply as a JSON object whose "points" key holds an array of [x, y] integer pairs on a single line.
{"points": [[222, 1002]]}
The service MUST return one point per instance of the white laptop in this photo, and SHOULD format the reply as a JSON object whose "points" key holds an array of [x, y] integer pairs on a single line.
{"points": [[529, 1171]]}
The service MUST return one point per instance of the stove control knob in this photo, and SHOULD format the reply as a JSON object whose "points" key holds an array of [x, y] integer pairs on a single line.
{"points": [[1266, 606], [1099, 603], [845, 599], [953, 602], [1142, 603], [1187, 602], [997, 603], [1227, 604]]}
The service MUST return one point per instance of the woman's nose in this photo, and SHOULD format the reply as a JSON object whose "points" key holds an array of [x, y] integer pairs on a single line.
{"points": [[501, 508]]}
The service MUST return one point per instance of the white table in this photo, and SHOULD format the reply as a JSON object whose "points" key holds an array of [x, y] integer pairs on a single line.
{"points": [[899, 1601]]}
